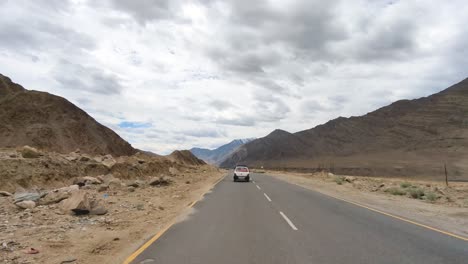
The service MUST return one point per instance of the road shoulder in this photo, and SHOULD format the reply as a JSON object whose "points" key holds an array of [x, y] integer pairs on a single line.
{"points": [[452, 218]]}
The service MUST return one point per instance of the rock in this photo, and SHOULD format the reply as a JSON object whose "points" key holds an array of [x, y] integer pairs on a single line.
{"points": [[69, 189], [72, 157], [98, 210], [77, 204], [161, 181], [103, 188], [26, 204], [136, 184], [131, 188], [4, 193], [350, 179], [26, 196], [85, 158], [82, 181], [100, 177], [108, 161], [30, 153], [330, 174], [68, 260], [92, 180], [115, 183], [54, 197]]}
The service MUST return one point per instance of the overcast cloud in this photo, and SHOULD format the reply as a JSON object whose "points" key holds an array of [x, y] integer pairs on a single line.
{"points": [[173, 74]]}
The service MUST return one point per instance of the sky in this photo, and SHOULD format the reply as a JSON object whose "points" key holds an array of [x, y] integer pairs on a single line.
{"points": [[171, 74]]}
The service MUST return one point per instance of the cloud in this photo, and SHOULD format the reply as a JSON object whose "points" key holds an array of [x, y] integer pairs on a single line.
{"points": [[86, 78], [209, 71]]}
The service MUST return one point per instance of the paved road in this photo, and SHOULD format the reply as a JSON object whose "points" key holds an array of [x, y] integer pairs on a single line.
{"points": [[271, 221]]}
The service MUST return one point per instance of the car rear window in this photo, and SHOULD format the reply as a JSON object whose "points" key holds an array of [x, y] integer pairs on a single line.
{"points": [[242, 169]]}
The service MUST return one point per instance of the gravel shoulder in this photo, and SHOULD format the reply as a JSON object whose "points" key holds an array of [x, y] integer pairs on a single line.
{"points": [[442, 207], [133, 216]]}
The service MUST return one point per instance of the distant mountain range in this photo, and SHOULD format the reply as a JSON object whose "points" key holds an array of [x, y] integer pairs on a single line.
{"points": [[407, 138], [215, 156]]}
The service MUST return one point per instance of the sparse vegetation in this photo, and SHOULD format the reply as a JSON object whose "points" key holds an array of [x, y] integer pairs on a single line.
{"points": [[395, 191], [431, 196], [339, 180], [416, 193], [405, 185]]}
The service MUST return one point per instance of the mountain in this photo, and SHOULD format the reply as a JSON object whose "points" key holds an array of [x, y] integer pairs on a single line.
{"points": [[215, 156], [52, 123], [409, 137]]}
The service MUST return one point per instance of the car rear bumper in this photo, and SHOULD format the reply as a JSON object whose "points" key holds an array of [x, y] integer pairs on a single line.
{"points": [[239, 177]]}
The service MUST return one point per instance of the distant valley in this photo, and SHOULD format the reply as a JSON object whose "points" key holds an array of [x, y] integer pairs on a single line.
{"points": [[216, 156]]}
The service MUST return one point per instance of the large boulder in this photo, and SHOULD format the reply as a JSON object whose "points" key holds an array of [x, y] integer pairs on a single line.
{"points": [[30, 153], [78, 204], [23, 195]]}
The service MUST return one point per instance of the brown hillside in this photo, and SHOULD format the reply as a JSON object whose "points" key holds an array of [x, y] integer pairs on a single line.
{"points": [[52, 123], [408, 137]]}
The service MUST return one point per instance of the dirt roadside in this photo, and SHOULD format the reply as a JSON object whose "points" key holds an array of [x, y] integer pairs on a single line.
{"points": [[426, 202], [134, 215]]}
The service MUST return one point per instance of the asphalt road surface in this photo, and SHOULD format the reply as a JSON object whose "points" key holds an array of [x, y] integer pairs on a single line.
{"points": [[271, 221]]}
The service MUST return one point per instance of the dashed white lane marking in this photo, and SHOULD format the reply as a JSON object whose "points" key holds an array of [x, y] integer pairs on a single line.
{"points": [[266, 196], [288, 221], [258, 187], [253, 181]]}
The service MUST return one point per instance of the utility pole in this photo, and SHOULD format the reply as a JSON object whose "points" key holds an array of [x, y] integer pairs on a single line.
{"points": [[446, 175]]}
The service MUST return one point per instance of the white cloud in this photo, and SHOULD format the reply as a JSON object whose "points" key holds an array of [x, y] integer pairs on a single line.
{"points": [[203, 72]]}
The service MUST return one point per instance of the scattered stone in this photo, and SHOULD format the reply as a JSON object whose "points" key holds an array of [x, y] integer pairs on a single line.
{"points": [[85, 158], [103, 188], [30, 153], [115, 183], [87, 180], [116, 239], [26, 204], [54, 197], [91, 180], [69, 189], [330, 174], [140, 207], [187, 182], [4, 193], [161, 181], [69, 260], [108, 161], [131, 188], [32, 251], [98, 210], [350, 179], [26, 196]]}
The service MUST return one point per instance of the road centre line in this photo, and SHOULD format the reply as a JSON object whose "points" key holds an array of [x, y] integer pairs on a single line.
{"points": [[258, 187], [266, 196], [288, 221]]}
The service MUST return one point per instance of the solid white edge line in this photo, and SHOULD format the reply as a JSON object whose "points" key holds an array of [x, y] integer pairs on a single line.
{"points": [[268, 198], [258, 187], [288, 221]]}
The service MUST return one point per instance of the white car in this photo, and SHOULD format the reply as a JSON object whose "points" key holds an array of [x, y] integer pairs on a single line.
{"points": [[241, 172]]}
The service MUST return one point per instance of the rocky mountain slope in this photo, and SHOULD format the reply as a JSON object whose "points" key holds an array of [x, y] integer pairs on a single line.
{"points": [[52, 123], [408, 137], [215, 156]]}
